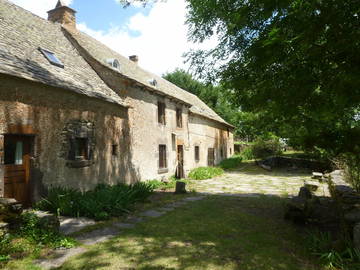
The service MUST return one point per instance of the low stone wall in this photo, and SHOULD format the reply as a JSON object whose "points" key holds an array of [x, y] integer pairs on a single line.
{"points": [[340, 211], [297, 163]]}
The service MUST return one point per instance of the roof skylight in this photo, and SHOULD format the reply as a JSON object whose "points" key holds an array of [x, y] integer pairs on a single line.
{"points": [[51, 57]]}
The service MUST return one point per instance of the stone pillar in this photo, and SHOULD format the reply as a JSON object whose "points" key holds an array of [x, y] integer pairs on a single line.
{"points": [[1, 166]]}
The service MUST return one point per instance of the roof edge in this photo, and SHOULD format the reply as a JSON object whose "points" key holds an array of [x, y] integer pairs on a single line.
{"points": [[212, 119], [68, 34]]}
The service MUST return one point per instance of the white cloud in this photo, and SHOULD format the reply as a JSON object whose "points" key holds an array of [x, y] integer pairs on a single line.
{"points": [[161, 37], [39, 7]]}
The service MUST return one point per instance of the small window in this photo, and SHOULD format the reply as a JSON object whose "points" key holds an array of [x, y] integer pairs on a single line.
{"points": [[228, 132], [197, 153], [179, 122], [13, 152], [211, 157], [114, 150], [153, 82], [114, 63], [51, 57], [161, 113], [221, 152], [81, 149], [162, 157], [230, 151]]}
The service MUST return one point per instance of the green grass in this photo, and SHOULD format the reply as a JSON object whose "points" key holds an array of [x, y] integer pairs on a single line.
{"points": [[216, 233], [203, 173], [231, 163]]}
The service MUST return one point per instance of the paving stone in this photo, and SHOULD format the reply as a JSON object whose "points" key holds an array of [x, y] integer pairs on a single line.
{"points": [[71, 225], [152, 213], [60, 256], [191, 199], [166, 209], [135, 220], [121, 225], [98, 236]]}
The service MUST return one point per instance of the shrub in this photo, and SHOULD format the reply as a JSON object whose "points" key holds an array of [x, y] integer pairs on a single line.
{"points": [[100, 204], [205, 173], [263, 148], [339, 254], [350, 163], [247, 153], [231, 163], [29, 238]]}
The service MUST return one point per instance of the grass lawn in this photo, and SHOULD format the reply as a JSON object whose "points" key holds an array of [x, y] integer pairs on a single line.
{"points": [[216, 233]]}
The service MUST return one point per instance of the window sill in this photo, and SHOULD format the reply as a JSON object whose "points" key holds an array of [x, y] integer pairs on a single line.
{"points": [[164, 170], [79, 163]]}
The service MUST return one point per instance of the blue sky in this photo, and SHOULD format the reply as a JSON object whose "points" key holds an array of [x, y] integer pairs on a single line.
{"points": [[157, 33], [101, 17]]}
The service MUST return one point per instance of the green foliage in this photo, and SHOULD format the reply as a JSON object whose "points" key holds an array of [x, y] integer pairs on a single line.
{"points": [[101, 203], [263, 148], [350, 163], [335, 255], [292, 63], [32, 230], [231, 163], [205, 173], [247, 153], [29, 238]]}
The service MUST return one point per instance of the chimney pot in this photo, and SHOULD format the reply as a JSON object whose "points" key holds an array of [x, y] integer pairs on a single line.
{"points": [[134, 58], [63, 14]]}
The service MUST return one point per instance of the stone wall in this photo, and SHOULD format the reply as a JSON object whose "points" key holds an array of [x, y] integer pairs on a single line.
{"points": [[206, 134], [147, 133], [47, 111]]}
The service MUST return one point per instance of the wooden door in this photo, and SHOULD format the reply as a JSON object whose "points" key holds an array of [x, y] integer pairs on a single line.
{"points": [[211, 157], [180, 158], [17, 167]]}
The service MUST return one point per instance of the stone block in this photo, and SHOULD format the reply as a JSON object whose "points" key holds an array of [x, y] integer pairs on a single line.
{"points": [[356, 235], [305, 193], [317, 175], [180, 188]]}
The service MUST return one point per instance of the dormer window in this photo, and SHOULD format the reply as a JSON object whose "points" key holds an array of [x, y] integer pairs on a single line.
{"points": [[51, 57], [153, 82], [114, 63]]}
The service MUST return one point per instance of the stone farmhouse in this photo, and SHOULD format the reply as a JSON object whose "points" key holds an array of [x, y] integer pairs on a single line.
{"points": [[75, 113]]}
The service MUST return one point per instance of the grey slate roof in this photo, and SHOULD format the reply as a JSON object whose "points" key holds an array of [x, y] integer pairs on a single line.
{"points": [[21, 35], [131, 70]]}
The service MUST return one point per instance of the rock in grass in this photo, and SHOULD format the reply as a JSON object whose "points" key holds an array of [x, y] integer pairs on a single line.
{"points": [[317, 175], [305, 193], [180, 188], [356, 236]]}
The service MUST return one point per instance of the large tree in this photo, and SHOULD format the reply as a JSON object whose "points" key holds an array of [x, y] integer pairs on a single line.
{"points": [[295, 62]]}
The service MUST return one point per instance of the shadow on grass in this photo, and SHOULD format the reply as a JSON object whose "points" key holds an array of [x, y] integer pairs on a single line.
{"points": [[215, 233]]}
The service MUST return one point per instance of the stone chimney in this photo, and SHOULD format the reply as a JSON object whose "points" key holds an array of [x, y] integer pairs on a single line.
{"points": [[63, 14], [134, 58]]}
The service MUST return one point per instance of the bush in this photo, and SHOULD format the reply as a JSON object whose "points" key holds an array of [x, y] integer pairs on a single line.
{"points": [[334, 254], [231, 163], [100, 204], [205, 173], [247, 154], [350, 163], [29, 238], [263, 148]]}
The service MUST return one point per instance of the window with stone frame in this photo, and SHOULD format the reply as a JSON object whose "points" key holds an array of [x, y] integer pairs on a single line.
{"points": [[179, 120], [162, 156], [161, 113], [197, 153], [78, 143]]}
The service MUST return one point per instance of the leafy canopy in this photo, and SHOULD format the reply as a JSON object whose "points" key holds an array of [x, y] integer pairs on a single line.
{"points": [[294, 62]]}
